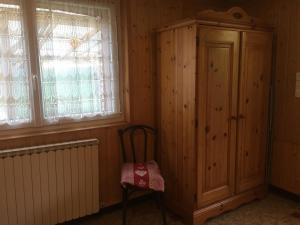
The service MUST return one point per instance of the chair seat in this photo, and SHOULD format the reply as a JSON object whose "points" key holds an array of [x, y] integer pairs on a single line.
{"points": [[143, 175]]}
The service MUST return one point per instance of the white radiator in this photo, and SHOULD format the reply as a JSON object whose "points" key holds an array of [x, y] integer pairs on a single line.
{"points": [[50, 184]]}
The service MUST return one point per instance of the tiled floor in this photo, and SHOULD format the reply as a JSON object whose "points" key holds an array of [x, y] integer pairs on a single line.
{"points": [[273, 210]]}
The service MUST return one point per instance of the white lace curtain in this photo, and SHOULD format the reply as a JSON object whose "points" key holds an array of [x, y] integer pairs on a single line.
{"points": [[78, 61], [15, 106]]}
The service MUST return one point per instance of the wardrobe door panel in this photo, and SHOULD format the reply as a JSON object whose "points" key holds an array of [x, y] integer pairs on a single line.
{"points": [[253, 109], [217, 110]]}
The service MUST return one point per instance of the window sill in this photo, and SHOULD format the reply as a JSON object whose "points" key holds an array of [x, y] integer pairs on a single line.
{"points": [[62, 128]]}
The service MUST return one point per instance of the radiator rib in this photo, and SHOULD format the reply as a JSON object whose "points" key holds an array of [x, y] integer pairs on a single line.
{"points": [[49, 184]]}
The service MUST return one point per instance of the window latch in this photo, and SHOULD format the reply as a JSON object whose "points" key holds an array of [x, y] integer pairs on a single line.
{"points": [[34, 79]]}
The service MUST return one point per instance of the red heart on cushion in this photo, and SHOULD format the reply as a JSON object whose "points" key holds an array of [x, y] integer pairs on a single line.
{"points": [[141, 173]]}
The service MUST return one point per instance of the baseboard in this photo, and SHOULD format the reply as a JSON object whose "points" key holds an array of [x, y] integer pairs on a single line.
{"points": [[284, 193]]}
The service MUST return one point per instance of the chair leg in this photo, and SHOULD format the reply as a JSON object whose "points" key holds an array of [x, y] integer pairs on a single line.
{"points": [[162, 207], [125, 203]]}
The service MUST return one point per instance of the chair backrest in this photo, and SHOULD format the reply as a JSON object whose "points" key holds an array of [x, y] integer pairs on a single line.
{"points": [[132, 131]]}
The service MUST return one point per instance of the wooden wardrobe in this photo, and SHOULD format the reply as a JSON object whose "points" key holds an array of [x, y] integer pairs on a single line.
{"points": [[214, 74]]}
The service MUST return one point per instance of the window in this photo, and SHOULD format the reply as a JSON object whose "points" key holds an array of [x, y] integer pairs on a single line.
{"points": [[15, 103], [75, 59]]}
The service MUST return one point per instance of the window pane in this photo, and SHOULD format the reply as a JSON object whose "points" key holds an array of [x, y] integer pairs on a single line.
{"points": [[77, 61], [15, 106]]}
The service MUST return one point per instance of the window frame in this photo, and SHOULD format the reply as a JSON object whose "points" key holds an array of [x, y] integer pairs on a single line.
{"points": [[39, 125]]}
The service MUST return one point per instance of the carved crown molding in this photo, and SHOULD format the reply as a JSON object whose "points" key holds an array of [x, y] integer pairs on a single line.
{"points": [[235, 15]]}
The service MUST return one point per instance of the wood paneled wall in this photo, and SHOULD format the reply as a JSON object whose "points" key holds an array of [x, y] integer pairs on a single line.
{"points": [[143, 16]]}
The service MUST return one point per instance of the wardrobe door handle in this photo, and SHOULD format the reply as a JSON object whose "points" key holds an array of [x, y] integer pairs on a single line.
{"points": [[233, 118], [241, 116]]}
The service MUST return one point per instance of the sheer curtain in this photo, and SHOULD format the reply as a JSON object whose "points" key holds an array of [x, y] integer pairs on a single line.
{"points": [[78, 59], [15, 104]]}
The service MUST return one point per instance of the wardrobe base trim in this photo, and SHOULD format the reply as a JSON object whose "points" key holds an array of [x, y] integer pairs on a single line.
{"points": [[201, 215]]}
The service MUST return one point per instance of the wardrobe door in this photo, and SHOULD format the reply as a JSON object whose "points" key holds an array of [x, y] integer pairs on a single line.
{"points": [[218, 59], [254, 88]]}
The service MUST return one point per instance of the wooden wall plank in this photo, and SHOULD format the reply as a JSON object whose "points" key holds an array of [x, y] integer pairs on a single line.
{"points": [[285, 173], [3, 202], [167, 104]]}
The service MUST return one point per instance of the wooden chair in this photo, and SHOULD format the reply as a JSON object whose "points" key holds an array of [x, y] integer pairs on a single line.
{"points": [[131, 180]]}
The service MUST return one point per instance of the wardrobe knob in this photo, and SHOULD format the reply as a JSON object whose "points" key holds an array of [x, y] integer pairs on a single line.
{"points": [[233, 118], [241, 116]]}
